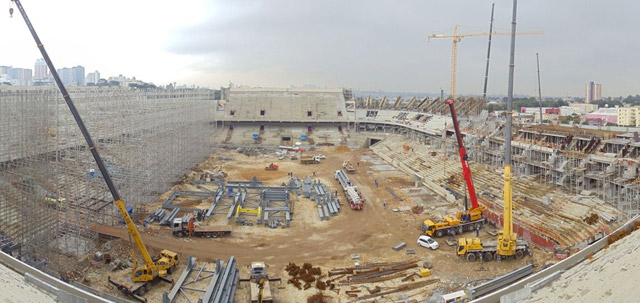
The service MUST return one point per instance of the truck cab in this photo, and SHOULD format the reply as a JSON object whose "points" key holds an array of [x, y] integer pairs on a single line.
{"points": [[178, 227]]}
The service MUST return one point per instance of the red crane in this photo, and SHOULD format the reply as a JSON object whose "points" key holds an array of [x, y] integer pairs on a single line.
{"points": [[475, 212]]}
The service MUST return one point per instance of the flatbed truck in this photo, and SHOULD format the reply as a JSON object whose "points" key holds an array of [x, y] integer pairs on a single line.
{"points": [[181, 229], [308, 159]]}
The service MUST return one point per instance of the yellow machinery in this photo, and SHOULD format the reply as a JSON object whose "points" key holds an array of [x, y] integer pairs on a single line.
{"points": [[508, 243], [152, 269], [346, 164], [54, 201], [166, 261], [260, 287], [255, 211]]}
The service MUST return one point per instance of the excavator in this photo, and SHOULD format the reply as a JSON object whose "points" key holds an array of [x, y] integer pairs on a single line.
{"points": [[152, 270], [472, 218]]}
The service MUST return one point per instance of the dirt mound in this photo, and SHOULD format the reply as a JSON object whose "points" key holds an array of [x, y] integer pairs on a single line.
{"points": [[342, 149]]}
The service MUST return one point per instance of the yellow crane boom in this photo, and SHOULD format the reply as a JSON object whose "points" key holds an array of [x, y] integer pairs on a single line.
{"points": [[167, 259]]}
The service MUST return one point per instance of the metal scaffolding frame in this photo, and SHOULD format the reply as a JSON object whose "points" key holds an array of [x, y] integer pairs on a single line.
{"points": [[50, 188]]}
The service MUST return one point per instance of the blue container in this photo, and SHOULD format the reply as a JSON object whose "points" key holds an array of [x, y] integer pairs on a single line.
{"points": [[256, 136], [230, 192], [303, 137]]}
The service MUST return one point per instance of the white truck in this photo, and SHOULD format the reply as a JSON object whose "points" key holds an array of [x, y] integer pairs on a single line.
{"points": [[181, 229]]}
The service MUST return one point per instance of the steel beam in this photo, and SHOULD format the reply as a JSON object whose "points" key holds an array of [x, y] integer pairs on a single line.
{"points": [[191, 262]]}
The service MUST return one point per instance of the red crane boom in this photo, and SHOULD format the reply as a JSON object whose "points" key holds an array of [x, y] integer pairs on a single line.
{"points": [[466, 172]]}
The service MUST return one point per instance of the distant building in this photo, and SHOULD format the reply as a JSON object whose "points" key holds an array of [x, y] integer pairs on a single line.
{"points": [[536, 110], [4, 70], [15, 76], [77, 75], [603, 116], [65, 75], [593, 92], [567, 111], [627, 116], [92, 78], [582, 108], [72, 76], [40, 70], [21, 76]]}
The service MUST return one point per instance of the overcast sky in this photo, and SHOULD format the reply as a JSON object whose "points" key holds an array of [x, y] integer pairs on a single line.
{"points": [[365, 44]]}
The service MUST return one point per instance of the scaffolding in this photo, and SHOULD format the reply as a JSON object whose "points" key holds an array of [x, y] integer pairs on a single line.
{"points": [[51, 191]]}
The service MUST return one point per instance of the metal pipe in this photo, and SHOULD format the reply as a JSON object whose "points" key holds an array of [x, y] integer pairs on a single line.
{"points": [[507, 148], [486, 71], [539, 88]]}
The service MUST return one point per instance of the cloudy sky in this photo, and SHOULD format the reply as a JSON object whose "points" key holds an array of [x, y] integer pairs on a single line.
{"points": [[362, 44]]}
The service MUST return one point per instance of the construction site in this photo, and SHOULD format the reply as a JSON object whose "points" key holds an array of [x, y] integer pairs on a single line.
{"points": [[116, 194], [237, 168]]}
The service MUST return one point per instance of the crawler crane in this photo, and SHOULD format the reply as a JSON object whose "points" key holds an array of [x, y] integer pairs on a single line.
{"points": [[152, 270]]}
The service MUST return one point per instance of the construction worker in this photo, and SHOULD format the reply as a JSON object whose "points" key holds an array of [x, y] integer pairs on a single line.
{"points": [[477, 230], [384, 204], [376, 181]]}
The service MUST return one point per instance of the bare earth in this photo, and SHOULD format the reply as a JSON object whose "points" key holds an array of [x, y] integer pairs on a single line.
{"points": [[370, 233]]}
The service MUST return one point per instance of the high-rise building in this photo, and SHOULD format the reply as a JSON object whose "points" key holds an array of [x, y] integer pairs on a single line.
{"points": [[77, 75], [593, 92], [65, 75], [92, 77], [15, 76], [4, 70], [40, 70]]}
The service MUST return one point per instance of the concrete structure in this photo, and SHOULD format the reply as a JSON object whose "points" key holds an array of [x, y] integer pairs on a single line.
{"points": [[149, 139], [627, 115], [576, 159], [592, 92]]}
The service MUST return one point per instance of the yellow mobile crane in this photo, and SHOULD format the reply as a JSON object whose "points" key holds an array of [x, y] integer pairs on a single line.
{"points": [[508, 244], [152, 270]]}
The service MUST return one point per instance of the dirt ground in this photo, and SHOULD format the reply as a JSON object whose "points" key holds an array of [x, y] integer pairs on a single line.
{"points": [[370, 233]]}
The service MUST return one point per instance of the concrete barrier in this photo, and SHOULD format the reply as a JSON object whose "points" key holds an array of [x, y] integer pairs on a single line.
{"points": [[65, 292], [561, 266]]}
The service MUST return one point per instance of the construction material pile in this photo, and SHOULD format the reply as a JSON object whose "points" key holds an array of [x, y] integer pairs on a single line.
{"points": [[375, 273], [307, 274]]}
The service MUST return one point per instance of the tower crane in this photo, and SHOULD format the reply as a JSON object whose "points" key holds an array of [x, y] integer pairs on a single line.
{"points": [[456, 37]]}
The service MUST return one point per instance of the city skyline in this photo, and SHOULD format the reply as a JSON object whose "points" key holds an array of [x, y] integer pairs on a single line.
{"points": [[362, 45]]}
